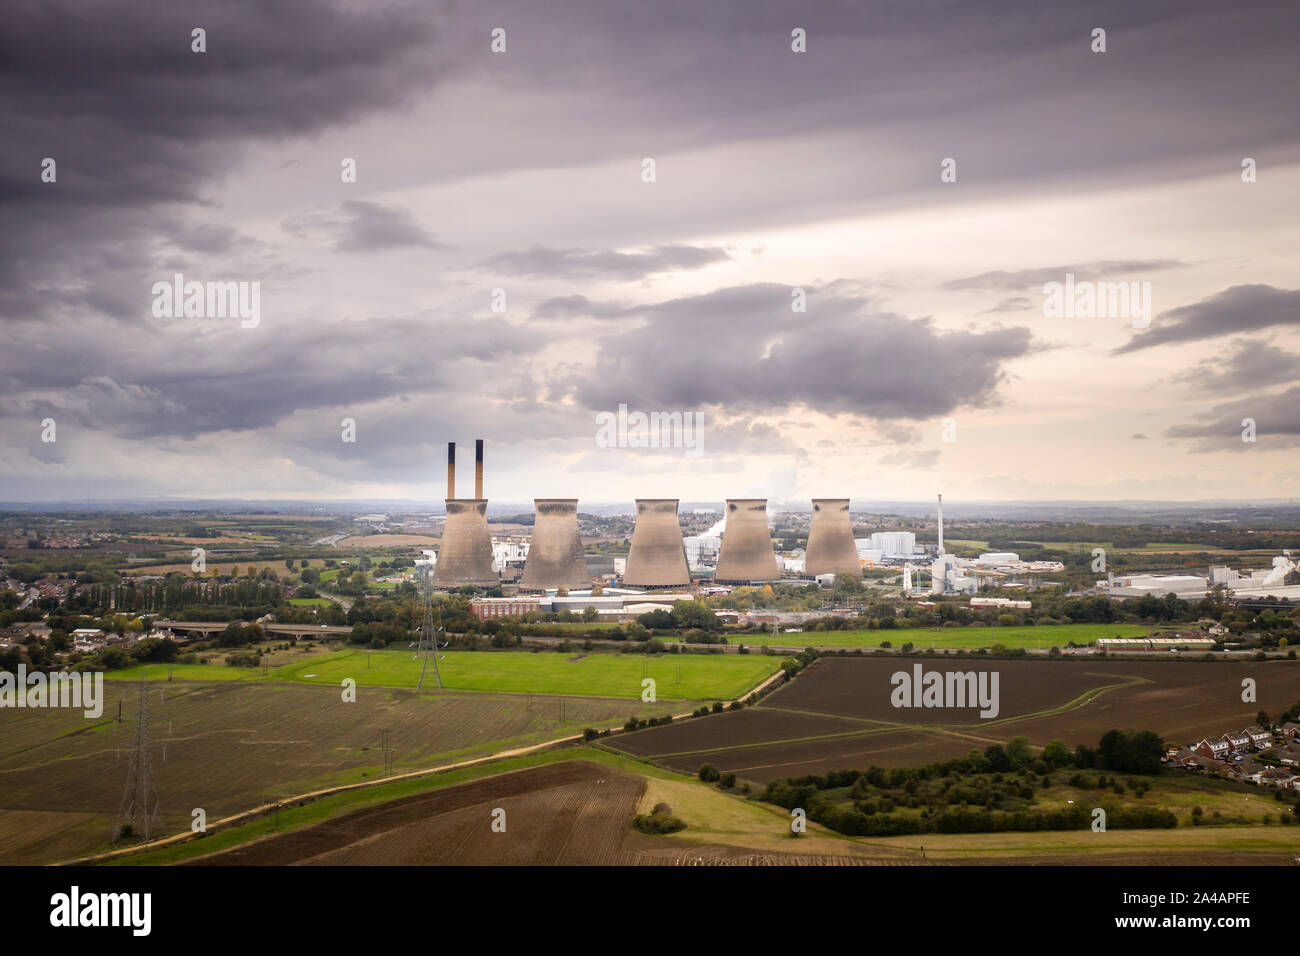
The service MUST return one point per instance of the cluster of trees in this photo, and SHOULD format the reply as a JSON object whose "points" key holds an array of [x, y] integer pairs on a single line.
{"points": [[984, 791], [690, 614]]}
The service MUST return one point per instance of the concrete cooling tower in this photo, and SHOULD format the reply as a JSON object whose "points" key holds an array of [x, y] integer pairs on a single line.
{"points": [[747, 553], [555, 555], [658, 557], [830, 540], [465, 556]]}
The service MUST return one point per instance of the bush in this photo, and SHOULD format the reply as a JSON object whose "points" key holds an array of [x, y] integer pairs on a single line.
{"points": [[709, 773], [660, 820]]}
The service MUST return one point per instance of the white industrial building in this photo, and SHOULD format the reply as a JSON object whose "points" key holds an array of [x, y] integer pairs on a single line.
{"points": [[702, 549], [509, 551], [867, 553], [893, 544], [1262, 583]]}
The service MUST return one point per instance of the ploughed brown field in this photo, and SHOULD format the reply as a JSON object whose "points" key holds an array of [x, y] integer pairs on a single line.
{"points": [[838, 715], [570, 813]]}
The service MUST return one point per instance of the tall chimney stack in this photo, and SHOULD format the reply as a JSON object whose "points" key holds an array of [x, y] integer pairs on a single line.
{"points": [[478, 468], [941, 524], [451, 469]]}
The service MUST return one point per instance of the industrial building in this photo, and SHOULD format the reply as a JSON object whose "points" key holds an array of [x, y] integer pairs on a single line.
{"points": [[831, 549], [702, 550], [747, 555], [555, 554], [1260, 583], [893, 544], [465, 556], [657, 557]]}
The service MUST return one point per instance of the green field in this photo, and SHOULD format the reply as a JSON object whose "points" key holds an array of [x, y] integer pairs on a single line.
{"points": [[702, 676], [1043, 636], [310, 602]]}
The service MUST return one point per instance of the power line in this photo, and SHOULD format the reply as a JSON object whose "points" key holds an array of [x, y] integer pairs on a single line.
{"points": [[429, 634], [139, 810]]}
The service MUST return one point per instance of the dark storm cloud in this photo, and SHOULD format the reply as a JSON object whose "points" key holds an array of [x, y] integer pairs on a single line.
{"points": [[361, 226], [195, 377], [134, 120], [1241, 308], [742, 349], [1276, 418], [1251, 365], [1011, 89], [1031, 278], [539, 261]]}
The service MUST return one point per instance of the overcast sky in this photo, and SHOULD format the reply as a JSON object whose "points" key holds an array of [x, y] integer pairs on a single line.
{"points": [[775, 171]]}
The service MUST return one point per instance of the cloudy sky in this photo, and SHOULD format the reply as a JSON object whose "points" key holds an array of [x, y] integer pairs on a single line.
{"points": [[525, 171]]}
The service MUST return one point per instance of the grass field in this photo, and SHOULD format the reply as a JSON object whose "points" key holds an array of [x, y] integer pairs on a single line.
{"points": [[310, 602], [702, 677], [1043, 636]]}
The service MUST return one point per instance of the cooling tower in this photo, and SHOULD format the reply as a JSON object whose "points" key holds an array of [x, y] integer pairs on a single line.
{"points": [[747, 553], [465, 556], [555, 555], [830, 540], [658, 556]]}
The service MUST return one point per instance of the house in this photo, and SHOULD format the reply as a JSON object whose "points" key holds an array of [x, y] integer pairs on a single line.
{"points": [[1247, 769], [1259, 738], [1237, 741], [1218, 748], [1291, 730], [1276, 777], [1203, 764], [1289, 755]]}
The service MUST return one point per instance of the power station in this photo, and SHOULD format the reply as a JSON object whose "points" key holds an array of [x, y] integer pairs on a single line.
{"points": [[747, 555], [831, 549], [736, 550], [465, 556], [555, 554], [657, 558]]}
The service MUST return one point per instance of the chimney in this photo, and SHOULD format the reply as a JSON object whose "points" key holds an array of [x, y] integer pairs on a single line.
{"points": [[941, 524], [451, 469], [478, 468]]}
